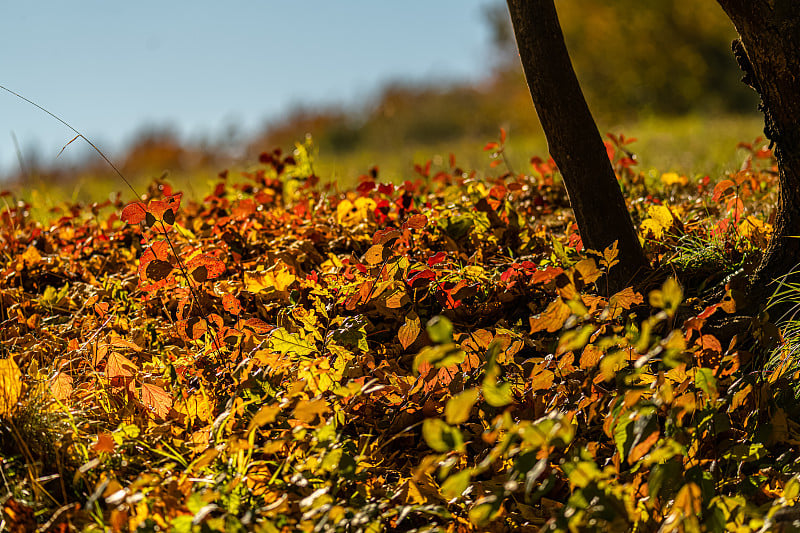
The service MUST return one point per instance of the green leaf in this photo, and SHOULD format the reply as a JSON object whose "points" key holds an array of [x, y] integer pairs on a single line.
{"points": [[440, 329], [623, 435], [459, 406], [704, 380], [441, 437], [455, 485], [440, 356], [484, 510], [668, 298], [497, 394]]}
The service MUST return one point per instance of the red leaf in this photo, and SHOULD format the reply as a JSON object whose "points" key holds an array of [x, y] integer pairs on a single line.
{"points": [[204, 267], [134, 213], [436, 258], [418, 275], [491, 146], [416, 222]]}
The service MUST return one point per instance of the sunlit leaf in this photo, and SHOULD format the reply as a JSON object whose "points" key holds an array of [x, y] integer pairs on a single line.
{"points": [[553, 318], [10, 385], [157, 399], [458, 408], [409, 331]]}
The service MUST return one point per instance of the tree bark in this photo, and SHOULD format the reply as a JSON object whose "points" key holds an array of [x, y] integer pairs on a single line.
{"points": [[768, 52], [573, 139]]}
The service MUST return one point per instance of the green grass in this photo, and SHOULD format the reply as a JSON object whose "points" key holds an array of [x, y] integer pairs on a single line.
{"points": [[692, 145]]}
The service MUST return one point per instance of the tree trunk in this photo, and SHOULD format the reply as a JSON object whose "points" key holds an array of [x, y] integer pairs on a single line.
{"points": [[573, 139], [768, 51]]}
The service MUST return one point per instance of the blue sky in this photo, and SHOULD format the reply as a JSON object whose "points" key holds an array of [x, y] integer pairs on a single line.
{"points": [[113, 68]]}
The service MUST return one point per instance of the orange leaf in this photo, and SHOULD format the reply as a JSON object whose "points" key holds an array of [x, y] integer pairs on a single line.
{"points": [[105, 443], [61, 387], [638, 451], [119, 366], [409, 332], [204, 267], [134, 213], [590, 357], [231, 304], [416, 222], [553, 317], [157, 399], [542, 380], [689, 500]]}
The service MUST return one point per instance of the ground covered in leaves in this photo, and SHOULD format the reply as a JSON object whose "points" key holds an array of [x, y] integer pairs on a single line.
{"points": [[439, 354]]}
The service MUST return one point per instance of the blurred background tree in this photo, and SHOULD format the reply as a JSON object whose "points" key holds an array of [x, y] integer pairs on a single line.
{"points": [[634, 60]]}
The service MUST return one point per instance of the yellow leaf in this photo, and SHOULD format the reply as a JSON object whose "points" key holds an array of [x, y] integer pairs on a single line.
{"points": [[31, 256], [668, 298], [689, 500], [662, 215], [10, 385], [672, 178], [651, 226], [266, 415], [308, 410], [278, 279], [588, 270], [458, 407]]}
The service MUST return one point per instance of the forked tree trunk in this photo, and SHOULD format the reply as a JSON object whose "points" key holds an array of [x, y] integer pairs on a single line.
{"points": [[573, 139], [768, 52]]}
